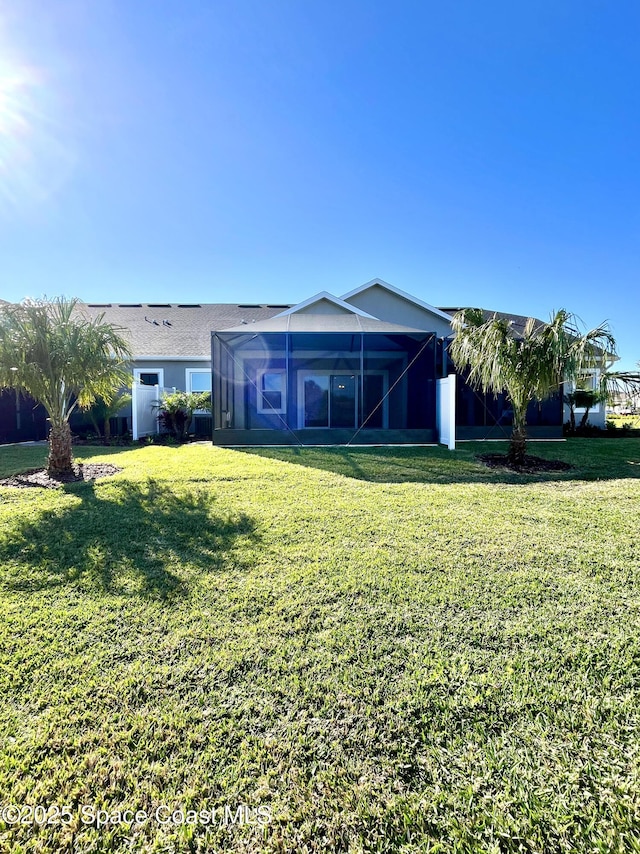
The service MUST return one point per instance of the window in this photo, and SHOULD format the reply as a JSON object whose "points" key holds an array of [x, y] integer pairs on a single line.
{"points": [[271, 391], [587, 382], [198, 379], [149, 376], [148, 379]]}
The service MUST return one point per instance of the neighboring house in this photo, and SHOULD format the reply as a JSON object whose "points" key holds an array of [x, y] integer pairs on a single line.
{"points": [[363, 367], [625, 404]]}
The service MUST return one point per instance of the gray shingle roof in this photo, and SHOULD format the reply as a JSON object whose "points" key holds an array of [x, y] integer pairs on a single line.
{"points": [[178, 330], [517, 321], [187, 330]]}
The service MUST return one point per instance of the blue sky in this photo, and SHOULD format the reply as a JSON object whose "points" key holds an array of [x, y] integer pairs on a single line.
{"points": [[261, 150]]}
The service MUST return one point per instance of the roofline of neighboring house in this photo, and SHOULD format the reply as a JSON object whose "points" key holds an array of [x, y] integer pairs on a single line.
{"points": [[392, 289], [325, 295]]}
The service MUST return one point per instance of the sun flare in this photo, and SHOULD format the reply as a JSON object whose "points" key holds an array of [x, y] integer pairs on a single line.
{"points": [[14, 88], [33, 160]]}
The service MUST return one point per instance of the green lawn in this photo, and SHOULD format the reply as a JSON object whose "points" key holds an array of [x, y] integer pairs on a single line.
{"points": [[631, 422], [389, 650]]}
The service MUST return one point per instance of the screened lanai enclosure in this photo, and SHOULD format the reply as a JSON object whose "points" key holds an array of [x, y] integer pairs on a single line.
{"points": [[360, 382]]}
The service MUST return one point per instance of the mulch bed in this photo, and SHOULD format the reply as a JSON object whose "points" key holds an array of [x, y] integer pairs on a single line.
{"points": [[531, 464], [40, 478]]}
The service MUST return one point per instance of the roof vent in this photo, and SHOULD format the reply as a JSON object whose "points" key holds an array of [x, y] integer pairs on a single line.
{"points": [[130, 305], [149, 320], [167, 323], [250, 305], [159, 304], [278, 306], [95, 304], [189, 305]]}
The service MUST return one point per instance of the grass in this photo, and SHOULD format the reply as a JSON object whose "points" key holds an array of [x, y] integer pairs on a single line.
{"points": [[632, 422], [388, 650]]}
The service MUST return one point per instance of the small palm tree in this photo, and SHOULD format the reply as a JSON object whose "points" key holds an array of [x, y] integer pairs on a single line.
{"points": [[176, 410], [106, 408], [585, 399], [64, 360], [529, 366]]}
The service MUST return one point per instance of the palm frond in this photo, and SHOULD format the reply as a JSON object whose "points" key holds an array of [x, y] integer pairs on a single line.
{"points": [[63, 359]]}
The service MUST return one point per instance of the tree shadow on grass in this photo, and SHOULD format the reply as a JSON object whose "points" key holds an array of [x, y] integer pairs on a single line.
{"points": [[136, 539], [596, 459]]}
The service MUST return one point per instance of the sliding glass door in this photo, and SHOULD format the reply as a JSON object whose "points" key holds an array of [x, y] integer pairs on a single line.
{"points": [[329, 400], [333, 400], [315, 401], [342, 401]]}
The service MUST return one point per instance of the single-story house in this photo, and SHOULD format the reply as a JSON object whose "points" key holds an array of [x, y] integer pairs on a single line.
{"points": [[363, 367]]}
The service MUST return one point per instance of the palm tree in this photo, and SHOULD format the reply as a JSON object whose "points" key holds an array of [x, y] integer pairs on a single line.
{"points": [[106, 408], [63, 359], [176, 410], [585, 399], [527, 366]]}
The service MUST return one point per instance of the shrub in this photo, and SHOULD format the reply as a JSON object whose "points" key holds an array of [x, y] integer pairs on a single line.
{"points": [[176, 411]]}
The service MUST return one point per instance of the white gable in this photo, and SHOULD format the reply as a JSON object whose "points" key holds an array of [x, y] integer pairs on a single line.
{"points": [[325, 303]]}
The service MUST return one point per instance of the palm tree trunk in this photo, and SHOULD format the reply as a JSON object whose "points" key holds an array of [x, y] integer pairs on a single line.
{"points": [[60, 459], [96, 424], [518, 441], [585, 417]]}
